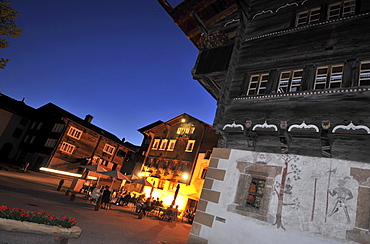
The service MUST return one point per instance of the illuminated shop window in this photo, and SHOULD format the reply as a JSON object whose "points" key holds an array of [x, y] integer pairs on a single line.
{"points": [[74, 132]]}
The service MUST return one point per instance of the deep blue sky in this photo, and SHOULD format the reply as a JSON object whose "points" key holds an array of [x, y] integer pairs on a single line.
{"points": [[124, 62]]}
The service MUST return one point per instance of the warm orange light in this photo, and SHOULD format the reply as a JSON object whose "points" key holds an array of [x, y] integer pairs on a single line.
{"points": [[66, 173], [185, 176]]}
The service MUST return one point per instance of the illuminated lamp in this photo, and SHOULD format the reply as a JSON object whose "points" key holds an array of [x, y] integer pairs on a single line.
{"points": [[183, 120], [185, 176]]}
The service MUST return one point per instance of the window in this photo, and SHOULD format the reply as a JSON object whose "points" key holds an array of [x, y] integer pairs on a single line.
{"points": [[17, 133], [50, 142], [171, 145], [255, 194], [308, 17], [364, 74], [109, 149], [328, 77], [58, 128], [185, 130], [163, 144], [32, 139], [190, 146], [156, 144], [258, 84], [67, 148], [75, 133], [290, 81], [33, 125], [341, 9], [39, 126]]}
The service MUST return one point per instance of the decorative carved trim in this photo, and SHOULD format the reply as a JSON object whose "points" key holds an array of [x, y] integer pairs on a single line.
{"points": [[233, 126], [281, 7], [304, 126], [351, 126], [304, 93], [265, 126], [231, 21]]}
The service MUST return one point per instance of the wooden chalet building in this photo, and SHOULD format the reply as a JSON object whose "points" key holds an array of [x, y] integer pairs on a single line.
{"points": [[291, 80], [177, 152], [63, 141]]}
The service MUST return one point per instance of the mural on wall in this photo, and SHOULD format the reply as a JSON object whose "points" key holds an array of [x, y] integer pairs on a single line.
{"points": [[313, 195], [285, 187]]}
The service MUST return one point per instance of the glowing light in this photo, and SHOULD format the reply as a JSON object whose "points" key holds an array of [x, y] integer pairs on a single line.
{"points": [[66, 173], [183, 120], [185, 176]]}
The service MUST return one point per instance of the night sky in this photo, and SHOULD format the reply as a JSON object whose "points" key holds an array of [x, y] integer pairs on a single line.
{"points": [[124, 62]]}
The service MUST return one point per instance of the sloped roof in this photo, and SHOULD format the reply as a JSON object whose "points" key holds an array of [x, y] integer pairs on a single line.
{"points": [[15, 106], [66, 114]]}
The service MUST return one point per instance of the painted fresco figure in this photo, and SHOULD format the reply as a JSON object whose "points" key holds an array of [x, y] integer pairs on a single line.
{"points": [[343, 194]]}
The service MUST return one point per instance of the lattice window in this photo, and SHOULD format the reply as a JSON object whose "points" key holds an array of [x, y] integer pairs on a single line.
{"points": [[190, 146], [156, 144], [329, 77], [290, 81], [171, 145], [257, 84], [109, 149], [364, 74], [67, 148], [50, 142], [58, 128], [74, 132], [163, 144], [308, 17], [341, 9]]}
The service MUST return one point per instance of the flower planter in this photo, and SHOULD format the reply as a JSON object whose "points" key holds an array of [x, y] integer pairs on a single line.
{"points": [[61, 234]]}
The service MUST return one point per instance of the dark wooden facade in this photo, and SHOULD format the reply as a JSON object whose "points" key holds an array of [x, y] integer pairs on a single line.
{"points": [[61, 140], [293, 79]]}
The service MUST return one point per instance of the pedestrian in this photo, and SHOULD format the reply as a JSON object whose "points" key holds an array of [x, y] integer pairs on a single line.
{"points": [[106, 198]]}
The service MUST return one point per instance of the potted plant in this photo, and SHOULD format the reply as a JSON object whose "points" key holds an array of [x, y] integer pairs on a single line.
{"points": [[33, 222]]}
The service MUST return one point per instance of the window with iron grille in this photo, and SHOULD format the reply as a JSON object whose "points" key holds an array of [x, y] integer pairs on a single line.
{"points": [[255, 194], [109, 149], [257, 84], [329, 77]]}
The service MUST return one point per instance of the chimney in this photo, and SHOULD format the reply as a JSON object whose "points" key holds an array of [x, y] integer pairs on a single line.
{"points": [[88, 118]]}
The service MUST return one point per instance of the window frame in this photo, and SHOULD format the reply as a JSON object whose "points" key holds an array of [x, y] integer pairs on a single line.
{"points": [[364, 71], [330, 73], [171, 145], [163, 144], [290, 84], [58, 128], [50, 142], [254, 197], [308, 19], [67, 148], [190, 146], [74, 133], [155, 145], [258, 85], [338, 10], [109, 149]]}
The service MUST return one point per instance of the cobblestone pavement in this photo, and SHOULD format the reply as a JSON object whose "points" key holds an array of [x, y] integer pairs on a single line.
{"points": [[38, 191]]}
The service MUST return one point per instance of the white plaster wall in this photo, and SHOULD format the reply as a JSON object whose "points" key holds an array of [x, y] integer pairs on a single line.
{"points": [[303, 222]]}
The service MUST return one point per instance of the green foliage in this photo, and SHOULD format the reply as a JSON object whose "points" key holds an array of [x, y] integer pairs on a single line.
{"points": [[8, 28], [39, 217]]}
